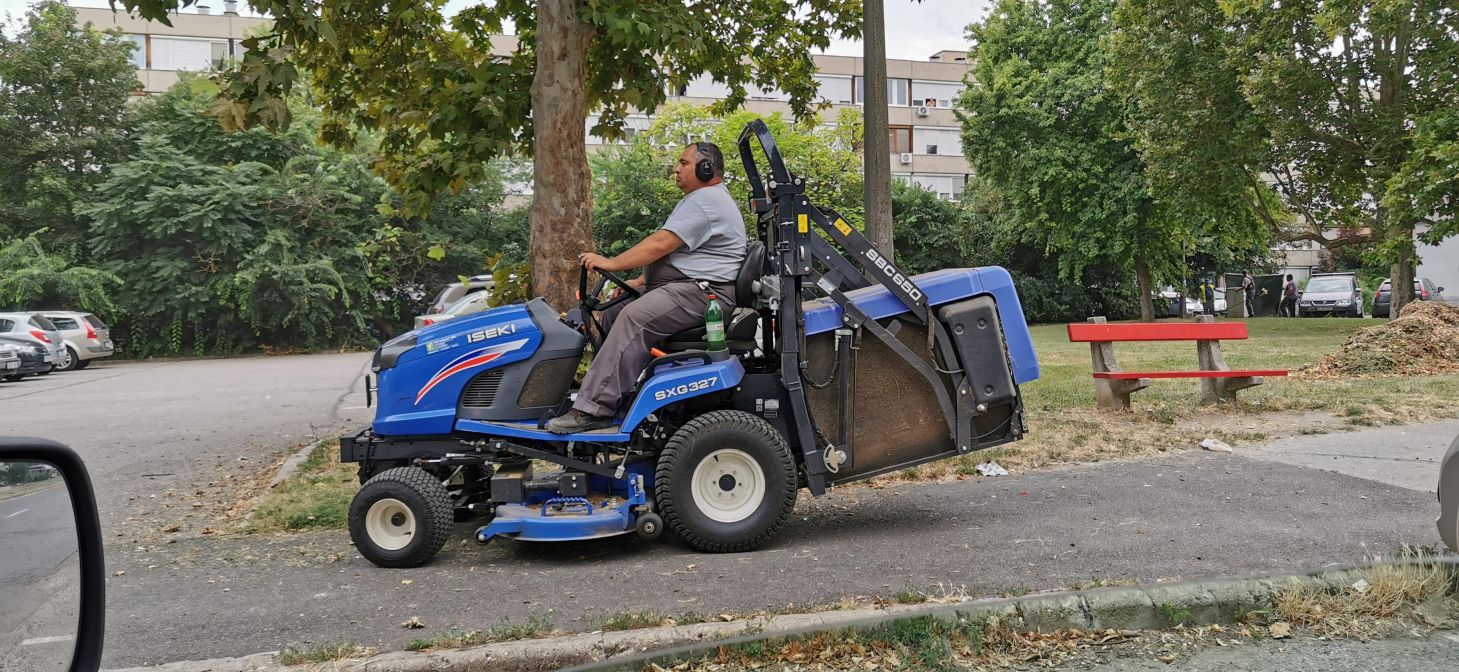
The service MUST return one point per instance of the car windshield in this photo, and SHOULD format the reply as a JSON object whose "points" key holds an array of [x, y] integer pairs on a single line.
{"points": [[471, 303], [1328, 285], [42, 322], [94, 321], [64, 323]]}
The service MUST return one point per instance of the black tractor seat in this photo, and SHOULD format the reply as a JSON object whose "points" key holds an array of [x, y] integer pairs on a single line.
{"points": [[739, 331], [739, 335]]}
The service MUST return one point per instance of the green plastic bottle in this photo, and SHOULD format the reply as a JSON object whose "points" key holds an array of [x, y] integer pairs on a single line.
{"points": [[714, 325]]}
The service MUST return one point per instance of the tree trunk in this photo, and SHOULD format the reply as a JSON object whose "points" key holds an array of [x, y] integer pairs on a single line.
{"points": [[876, 142], [562, 199], [1401, 273], [1142, 285]]}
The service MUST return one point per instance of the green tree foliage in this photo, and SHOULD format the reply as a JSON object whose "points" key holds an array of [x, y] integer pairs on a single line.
{"points": [[1348, 105], [32, 277], [1359, 97], [63, 121], [633, 192], [932, 233], [449, 95], [1042, 126], [981, 231], [1189, 120], [236, 241]]}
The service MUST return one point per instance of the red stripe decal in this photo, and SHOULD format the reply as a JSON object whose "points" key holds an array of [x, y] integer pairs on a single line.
{"points": [[475, 361]]}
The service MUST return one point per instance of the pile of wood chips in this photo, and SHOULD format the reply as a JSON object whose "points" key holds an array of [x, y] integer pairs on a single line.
{"points": [[1423, 339]]}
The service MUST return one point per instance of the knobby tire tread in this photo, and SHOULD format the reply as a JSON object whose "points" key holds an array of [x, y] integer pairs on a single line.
{"points": [[683, 439], [437, 527]]}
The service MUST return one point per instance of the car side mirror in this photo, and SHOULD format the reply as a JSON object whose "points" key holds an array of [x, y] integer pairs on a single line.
{"points": [[1439, 289], [54, 583]]}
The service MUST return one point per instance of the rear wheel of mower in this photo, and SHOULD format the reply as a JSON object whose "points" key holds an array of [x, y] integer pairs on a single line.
{"points": [[401, 518], [726, 482]]}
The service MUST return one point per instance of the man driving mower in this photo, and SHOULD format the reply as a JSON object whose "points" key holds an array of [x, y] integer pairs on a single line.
{"points": [[698, 251]]}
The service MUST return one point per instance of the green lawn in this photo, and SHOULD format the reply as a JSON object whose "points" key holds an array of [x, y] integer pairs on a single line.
{"points": [[1065, 426], [1274, 343]]}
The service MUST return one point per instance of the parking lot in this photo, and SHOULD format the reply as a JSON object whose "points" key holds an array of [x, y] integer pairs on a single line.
{"points": [[147, 428]]}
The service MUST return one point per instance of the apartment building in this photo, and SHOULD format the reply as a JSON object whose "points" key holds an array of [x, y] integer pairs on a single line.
{"points": [[200, 40], [924, 135], [923, 132]]}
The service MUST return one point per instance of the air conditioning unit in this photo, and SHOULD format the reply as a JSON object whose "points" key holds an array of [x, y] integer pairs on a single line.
{"points": [[922, 110], [905, 158]]}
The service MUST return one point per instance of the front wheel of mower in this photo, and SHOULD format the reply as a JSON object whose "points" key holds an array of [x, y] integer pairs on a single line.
{"points": [[401, 518], [726, 482]]}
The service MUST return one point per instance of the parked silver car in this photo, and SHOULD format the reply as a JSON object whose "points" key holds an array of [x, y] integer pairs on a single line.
{"points": [[453, 292], [474, 302], [84, 336], [32, 327]]}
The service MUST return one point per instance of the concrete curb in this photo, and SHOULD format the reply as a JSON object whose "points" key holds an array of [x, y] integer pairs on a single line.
{"points": [[1155, 606], [291, 465]]}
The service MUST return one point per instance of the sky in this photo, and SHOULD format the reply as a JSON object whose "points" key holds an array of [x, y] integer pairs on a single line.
{"points": [[915, 30]]}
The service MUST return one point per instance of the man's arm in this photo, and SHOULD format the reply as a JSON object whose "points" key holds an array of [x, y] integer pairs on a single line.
{"points": [[653, 248]]}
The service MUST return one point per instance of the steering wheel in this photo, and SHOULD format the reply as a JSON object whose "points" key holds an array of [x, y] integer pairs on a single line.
{"points": [[588, 302]]}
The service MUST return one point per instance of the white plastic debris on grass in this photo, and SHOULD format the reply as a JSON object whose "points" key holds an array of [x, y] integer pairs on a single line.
{"points": [[991, 469], [1216, 445]]}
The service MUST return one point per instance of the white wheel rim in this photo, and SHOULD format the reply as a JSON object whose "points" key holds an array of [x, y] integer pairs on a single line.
{"points": [[390, 524], [728, 485]]}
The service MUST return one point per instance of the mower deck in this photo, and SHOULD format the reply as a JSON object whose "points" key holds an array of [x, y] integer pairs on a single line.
{"points": [[568, 518]]}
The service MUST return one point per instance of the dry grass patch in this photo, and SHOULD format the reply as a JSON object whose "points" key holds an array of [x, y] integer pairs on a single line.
{"points": [[1388, 600], [317, 496], [334, 652]]}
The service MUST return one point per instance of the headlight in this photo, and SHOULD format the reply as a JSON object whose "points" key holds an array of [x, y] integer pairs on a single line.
{"points": [[1344, 303], [1306, 303]]}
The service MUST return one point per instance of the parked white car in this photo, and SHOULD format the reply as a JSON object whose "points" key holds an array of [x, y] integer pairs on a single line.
{"points": [[474, 302], [38, 329], [84, 336]]}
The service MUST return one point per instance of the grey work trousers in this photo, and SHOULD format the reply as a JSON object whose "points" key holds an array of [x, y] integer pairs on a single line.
{"points": [[633, 327]]}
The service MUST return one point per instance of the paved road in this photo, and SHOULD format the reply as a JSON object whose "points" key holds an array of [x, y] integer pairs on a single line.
{"points": [[1186, 515], [146, 428], [38, 581], [149, 428], [1435, 653]]}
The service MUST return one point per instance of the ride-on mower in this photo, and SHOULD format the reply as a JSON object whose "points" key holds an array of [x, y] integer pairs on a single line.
{"points": [[839, 367]]}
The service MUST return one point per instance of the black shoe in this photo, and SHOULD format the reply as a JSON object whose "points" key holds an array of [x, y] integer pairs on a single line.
{"points": [[576, 422]]}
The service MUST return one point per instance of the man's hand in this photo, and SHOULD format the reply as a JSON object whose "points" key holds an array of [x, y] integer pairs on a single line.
{"points": [[596, 262], [636, 283]]}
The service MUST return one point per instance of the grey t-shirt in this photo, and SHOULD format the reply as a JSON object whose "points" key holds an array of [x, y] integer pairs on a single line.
{"points": [[713, 230]]}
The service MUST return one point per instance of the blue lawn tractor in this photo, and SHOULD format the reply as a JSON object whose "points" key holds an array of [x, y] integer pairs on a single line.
{"points": [[839, 367]]}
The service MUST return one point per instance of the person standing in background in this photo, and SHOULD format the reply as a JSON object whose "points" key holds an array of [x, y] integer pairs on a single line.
{"points": [[1289, 297], [1208, 296], [1248, 293]]}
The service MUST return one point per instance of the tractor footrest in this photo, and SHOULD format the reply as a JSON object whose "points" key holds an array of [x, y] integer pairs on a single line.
{"points": [[558, 506]]}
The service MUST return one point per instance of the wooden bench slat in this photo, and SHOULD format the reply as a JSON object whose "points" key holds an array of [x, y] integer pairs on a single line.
{"points": [[1133, 375], [1166, 331]]}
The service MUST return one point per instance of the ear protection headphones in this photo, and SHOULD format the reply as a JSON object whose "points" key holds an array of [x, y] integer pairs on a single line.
{"points": [[703, 168]]}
